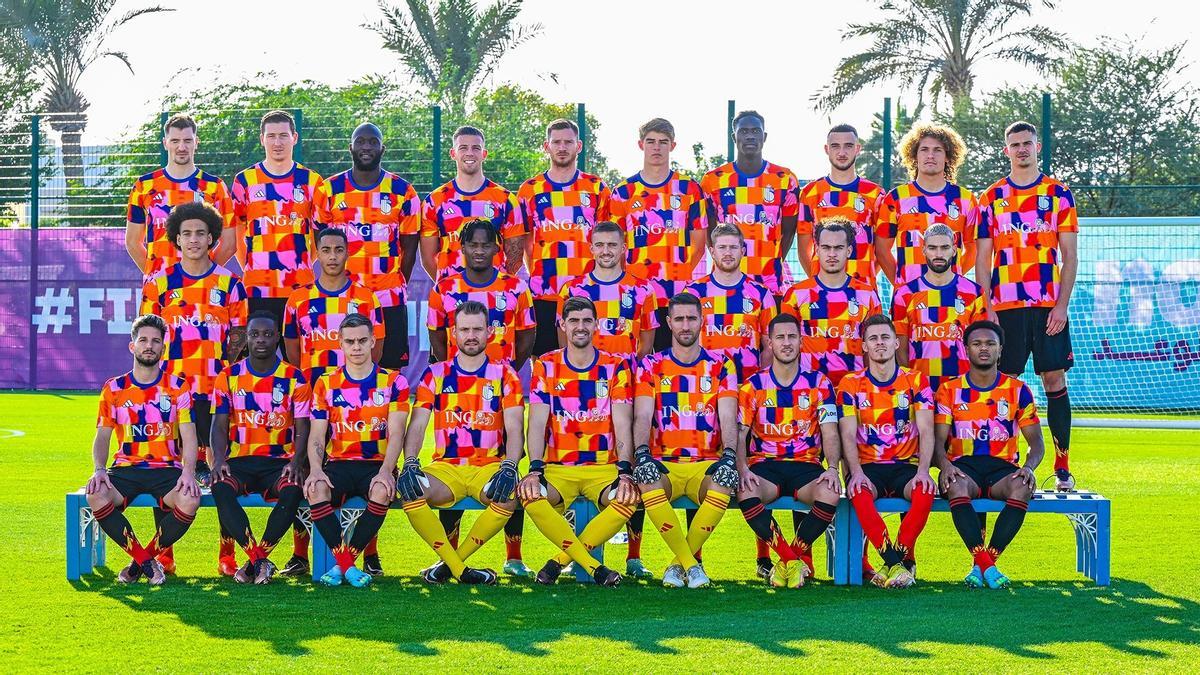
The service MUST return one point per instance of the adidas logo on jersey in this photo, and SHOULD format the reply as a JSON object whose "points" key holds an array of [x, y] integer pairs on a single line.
{"points": [[963, 407], [448, 389], [341, 204], [338, 398], [260, 194], [561, 386], [728, 192], [666, 381], [921, 305]]}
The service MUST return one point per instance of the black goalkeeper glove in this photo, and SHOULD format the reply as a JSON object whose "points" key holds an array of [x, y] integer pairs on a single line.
{"points": [[501, 487], [647, 470], [411, 482], [724, 471]]}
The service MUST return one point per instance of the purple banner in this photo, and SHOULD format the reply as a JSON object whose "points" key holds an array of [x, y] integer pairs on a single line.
{"points": [[83, 304]]}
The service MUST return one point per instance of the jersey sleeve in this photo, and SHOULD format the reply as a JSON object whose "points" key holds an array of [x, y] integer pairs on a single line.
{"points": [[511, 395], [319, 409], [698, 210], [887, 226], [291, 331], [728, 387], [183, 402], [649, 310], [790, 303], [410, 215], [429, 218], [238, 193], [1068, 218], [322, 198], [437, 319], [1027, 416], [223, 203], [106, 414], [943, 412], [220, 402], [524, 313], [301, 399], [790, 208], [425, 393], [539, 387], [620, 390], [971, 219], [827, 412], [922, 393], [874, 306], [238, 309], [900, 310], [400, 394], [150, 298], [846, 406], [645, 379], [135, 211], [806, 214], [769, 311], [747, 405], [514, 220], [378, 327]]}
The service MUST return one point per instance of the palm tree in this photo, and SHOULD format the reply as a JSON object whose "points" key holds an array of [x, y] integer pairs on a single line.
{"points": [[934, 47], [450, 46], [65, 38]]}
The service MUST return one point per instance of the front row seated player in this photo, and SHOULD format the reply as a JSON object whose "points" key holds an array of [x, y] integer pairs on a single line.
{"points": [[978, 417], [260, 416], [151, 411], [477, 409], [886, 422], [580, 422], [786, 421], [686, 402], [362, 409]]}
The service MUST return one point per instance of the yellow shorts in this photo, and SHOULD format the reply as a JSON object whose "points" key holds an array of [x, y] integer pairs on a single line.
{"points": [[463, 480], [686, 477], [589, 481]]}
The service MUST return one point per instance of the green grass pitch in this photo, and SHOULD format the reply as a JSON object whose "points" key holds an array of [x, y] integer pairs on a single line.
{"points": [[1052, 618]]}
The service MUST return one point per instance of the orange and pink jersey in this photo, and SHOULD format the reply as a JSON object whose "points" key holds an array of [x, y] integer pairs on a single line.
{"points": [[1023, 222], [312, 316], [509, 305], [374, 218], [735, 320], [200, 311], [277, 215], [151, 200], [559, 218], [685, 425], [580, 427], [829, 319], [145, 417], [660, 223], [858, 201], [357, 411], [785, 419], [467, 408], [933, 319], [757, 204], [262, 408], [985, 421], [624, 309], [448, 208], [908, 210], [886, 413]]}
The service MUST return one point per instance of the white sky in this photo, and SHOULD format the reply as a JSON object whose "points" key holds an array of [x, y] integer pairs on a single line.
{"points": [[626, 60]]}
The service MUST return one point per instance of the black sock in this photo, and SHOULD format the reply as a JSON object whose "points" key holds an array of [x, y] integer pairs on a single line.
{"points": [[325, 519], [368, 525], [966, 522], [451, 522], [173, 528], [815, 523], [758, 518], [114, 523], [284, 513], [797, 518], [1008, 523], [637, 522], [690, 513], [230, 513], [515, 527], [1058, 416]]}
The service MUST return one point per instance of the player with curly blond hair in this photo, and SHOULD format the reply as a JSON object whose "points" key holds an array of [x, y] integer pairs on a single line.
{"points": [[932, 153]]}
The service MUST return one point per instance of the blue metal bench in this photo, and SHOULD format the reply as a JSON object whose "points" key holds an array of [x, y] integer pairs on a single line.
{"points": [[1090, 514]]}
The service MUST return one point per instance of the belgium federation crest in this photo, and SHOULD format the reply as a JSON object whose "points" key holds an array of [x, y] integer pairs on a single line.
{"points": [[489, 210], [860, 204], [385, 204], [676, 201], [585, 199], [902, 401], [769, 194], [489, 391], [352, 308], [198, 197], [298, 194], [953, 211], [501, 302], [1002, 408], [377, 397], [601, 388], [1043, 203], [215, 296], [627, 299], [805, 403], [959, 306], [853, 307], [277, 394], [164, 403], [706, 383]]}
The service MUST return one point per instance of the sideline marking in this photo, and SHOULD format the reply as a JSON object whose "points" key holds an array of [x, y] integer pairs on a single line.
{"points": [[11, 433]]}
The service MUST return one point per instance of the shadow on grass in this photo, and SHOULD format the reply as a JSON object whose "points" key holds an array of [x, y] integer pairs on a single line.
{"points": [[1022, 621]]}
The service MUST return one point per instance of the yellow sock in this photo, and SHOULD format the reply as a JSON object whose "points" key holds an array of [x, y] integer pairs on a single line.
{"points": [[560, 533], [658, 508], [600, 529], [711, 510], [486, 526], [427, 524]]}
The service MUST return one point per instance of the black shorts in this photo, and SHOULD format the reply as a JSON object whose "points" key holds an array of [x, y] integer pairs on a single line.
{"points": [[545, 315], [259, 475], [132, 481], [1025, 333], [202, 416], [350, 478], [395, 340], [890, 478], [662, 334], [788, 476], [273, 305], [985, 470]]}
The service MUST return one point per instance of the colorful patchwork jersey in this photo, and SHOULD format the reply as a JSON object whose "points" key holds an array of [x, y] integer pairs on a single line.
{"points": [[374, 218], [1023, 223], [933, 319], [357, 411], [909, 210], [829, 318], [757, 204], [785, 419], [735, 320], [146, 417], [509, 304], [276, 213], [985, 422], [313, 315], [448, 208], [660, 222], [199, 311], [886, 413], [685, 426], [262, 408], [560, 217], [467, 408], [580, 427], [151, 200], [860, 202], [624, 309]]}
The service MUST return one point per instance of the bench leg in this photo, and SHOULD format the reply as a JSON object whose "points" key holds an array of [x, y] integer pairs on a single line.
{"points": [[581, 513], [1103, 542], [322, 556], [837, 545], [1086, 542], [75, 537], [852, 545]]}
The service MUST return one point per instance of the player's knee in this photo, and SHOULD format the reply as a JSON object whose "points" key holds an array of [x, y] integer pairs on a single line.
{"points": [[319, 493], [957, 490], [824, 494], [379, 495], [1021, 492], [1054, 380], [187, 503], [290, 495], [99, 500], [222, 490]]}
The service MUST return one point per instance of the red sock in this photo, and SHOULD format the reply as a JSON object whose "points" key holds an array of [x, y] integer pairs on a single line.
{"points": [[872, 524], [345, 557], [512, 547], [167, 553], [227, 549], [762, 549], [635, 545], [983, 559], [372, 548], [300, 541], [806, 556], [914, 521], [1061, 458]]}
